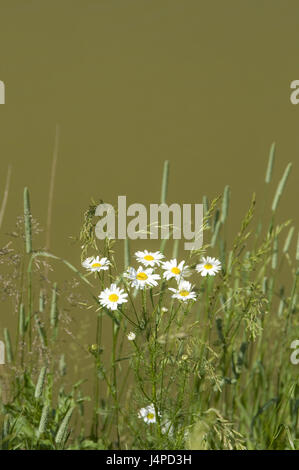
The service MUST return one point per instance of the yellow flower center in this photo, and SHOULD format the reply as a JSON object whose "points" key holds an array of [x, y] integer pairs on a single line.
{"points": [[176, 270], [150, 416], [96, 265], [208, 266], [184, 293], [113, 297], [149, 258], [142, 276]]}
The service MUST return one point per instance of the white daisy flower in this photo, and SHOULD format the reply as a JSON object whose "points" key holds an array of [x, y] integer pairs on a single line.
{"points": [[142, 277], [183, 292], [148, 414], [209, 266], [173, 269], [149, 258], [112, 297], [131, 336], [96, 264]]}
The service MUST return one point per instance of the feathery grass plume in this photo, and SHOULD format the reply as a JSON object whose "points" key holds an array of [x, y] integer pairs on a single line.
{"points": [[207, 219], [225, 204], [297, 252], [216, 218], [54, 311], [165, 182], [127, 253], [205, 203], [210, 427], [63, 428], [49, 255], [188, 351], [87, 232], [270, 163], [242, 235], [229, 262], [22, 326], [39, 326], [40, 383], [8, 348], [43, 420], [281, 186], [288, 240], [27, 221]]}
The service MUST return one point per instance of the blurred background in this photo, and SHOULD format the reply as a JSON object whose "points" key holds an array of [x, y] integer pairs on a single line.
{"points": [[202, 83]]}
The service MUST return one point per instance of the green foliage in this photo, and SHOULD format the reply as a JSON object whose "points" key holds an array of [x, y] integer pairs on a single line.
{"points": [[216, 372], [29, 419]]}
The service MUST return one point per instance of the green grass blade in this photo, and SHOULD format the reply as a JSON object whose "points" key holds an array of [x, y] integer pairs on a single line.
{"points": [[40, 383], [54, 311], [281, 187], [127, 253], [8, 348], [225, 204], [270, 163], [288, 240], [165, 182]]}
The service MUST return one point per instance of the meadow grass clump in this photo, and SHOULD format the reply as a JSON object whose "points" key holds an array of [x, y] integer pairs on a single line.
{"points": [[189, 352]]}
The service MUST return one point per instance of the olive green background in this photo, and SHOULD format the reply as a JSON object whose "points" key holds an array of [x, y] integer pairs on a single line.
{"points": [[203, 83]]}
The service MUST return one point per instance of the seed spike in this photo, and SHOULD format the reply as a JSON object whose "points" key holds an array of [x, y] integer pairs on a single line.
{"points": [[270, 163], [27, 221], [165, 182], [281, 186]]}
